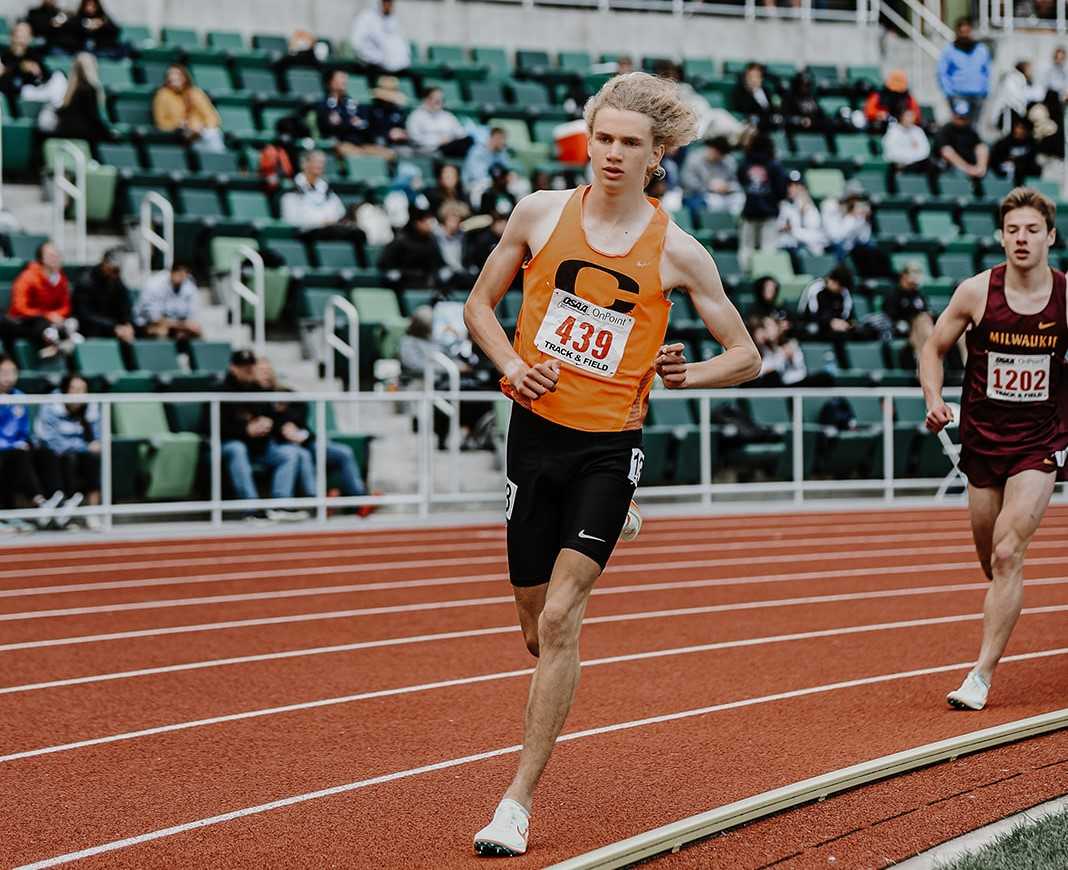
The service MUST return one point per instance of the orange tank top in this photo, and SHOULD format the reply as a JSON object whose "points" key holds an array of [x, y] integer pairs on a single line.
{"points": [[603, 316]]}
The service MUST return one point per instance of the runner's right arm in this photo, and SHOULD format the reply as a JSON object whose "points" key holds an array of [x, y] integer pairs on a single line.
{"points": [[482, 323], [950, 326]]}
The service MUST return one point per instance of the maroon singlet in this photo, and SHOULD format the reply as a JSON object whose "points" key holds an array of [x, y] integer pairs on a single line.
{"points": [[1012, 382]]}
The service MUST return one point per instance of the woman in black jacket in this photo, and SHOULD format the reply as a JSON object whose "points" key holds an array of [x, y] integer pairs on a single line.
{"points": [[80, 115], [95, 30]]}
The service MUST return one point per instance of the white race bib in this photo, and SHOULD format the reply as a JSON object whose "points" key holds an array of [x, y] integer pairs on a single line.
{"points": [[1017, 378], [584, 335]]}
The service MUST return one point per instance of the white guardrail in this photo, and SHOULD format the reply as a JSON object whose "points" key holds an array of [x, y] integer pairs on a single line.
{"points": [[671, 837], [424, 495]]}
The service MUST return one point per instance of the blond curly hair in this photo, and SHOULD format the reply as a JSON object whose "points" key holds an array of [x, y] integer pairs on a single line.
{"points": [[674, 123]]}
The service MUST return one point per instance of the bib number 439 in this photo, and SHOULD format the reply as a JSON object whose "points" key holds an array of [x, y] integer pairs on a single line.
{"points": [[583, 336]]}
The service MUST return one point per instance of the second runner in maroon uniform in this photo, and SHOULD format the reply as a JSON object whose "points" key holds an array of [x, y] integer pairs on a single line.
{"points": [[1010, 421], [1012, 436]]}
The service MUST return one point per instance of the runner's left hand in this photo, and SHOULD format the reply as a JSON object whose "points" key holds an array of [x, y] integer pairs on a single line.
{"points": [[671, 365]]}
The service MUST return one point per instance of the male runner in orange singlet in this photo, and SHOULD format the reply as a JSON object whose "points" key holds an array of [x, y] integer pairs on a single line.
{"points": [[1012, 434], [598, 263]]}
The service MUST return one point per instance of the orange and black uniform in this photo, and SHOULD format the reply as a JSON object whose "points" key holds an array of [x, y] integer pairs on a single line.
{"points": [[1013, 383], [574, 455]]}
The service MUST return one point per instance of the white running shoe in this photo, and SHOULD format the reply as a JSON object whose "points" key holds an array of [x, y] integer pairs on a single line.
{"points": [[281, 515], [971, 695], [633, 525], [62, 515], [506, 835]]}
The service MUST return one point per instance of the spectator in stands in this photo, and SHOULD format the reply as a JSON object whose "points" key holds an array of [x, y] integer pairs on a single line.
{"points": [[482, 156], [906, 146], [102, 302], [248, 433], [304, 50], [276, 164], [1017, 93], [70, 432], [964, 71], [891, 101], [41, 305], [959, 146], [800, 107], [434, 129], [766, 302], [416, 345], [385, 115], [764, 184], [1016, 156], [291, 429], [907, 310], [480, 243], [751, 98], [447, 187], [16, 455], [81, 115], [710, 178], [338, 117], [317, 210], [800, 222], [95, 30], [497, 199], [782, 362], [378, 39], [449, 234], [54, 26], [827, 305], [1056, 77], [24, 73], [179, 105], [413, 258], [847, 221], [169, 305]]}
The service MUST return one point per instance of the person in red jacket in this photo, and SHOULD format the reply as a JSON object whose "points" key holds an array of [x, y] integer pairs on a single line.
{"points": [[40, 303], [890, 100]]}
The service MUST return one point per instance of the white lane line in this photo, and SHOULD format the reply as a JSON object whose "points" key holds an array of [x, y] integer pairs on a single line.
{"points": [[625, 552], [600, 590], [319, 554], [503, 675], [335, 590], [508, 629], [244, 812]]}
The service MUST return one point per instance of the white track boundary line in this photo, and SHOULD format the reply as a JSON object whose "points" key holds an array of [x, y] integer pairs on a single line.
{"points": [[649, 546], [308, 592], [148, 837], [482, 678], [626, 552], [600, 590], [508, 629]]}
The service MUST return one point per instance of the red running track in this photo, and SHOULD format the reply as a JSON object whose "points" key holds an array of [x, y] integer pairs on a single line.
{"points": [[354, 700]]}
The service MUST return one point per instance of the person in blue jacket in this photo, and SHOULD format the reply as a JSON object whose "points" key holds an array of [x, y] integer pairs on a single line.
{"points": [[16, 452], [70, 431], [964, 70]]}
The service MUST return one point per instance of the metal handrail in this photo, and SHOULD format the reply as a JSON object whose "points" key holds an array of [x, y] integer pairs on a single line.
{"points": [[76, 190], [349, 349], [935, 23], [450, 406], [150, 239], [906, 26], [241, 292]]}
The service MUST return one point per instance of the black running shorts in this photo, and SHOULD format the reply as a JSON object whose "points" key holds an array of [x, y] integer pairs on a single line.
{"points": [[565, 488]]}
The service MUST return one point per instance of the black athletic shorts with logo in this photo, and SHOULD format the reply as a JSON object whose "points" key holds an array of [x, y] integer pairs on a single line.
{"points": [[565, 488]]}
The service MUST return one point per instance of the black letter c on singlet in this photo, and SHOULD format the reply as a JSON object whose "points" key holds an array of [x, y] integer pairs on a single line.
{"points": [[567, 276]]}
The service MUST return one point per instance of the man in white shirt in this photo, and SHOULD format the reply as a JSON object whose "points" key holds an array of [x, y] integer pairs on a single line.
{"points": [[169, 305], [800, 222], [317, 210], [906, 146], [378, 40], [432, 128]]}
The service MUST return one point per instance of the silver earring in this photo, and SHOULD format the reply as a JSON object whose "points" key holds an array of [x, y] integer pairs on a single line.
{"points": [[659, 173]]}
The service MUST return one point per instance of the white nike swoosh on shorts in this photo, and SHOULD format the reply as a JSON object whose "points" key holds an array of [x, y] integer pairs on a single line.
{"points": [[582, 534]]}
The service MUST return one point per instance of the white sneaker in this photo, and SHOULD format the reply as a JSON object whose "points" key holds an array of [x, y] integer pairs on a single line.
{"points": [[62, 516], [279, 515], [45, 508], [633, 525], [971, 695], [507, 834]]}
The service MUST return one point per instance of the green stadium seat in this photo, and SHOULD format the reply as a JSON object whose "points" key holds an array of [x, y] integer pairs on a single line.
{"points": [[52, 148], [304, 82], [236, 118], [214, 78], [954, 184], [833, 107], [26, 357], [996, 188], [871, 75], [168, 158], [199, 202], [210, 356], [121, 155], [819, 356], [224, 248], [937, 224], [533, 96], [136, 35], [335, 255], [412, 299], [956, 266], [530, 61], [156, 356], [823, 74], [574, 61], [257, 79], [292, 252], [218, 163], [23, 246], [225, 40], [699, 69], [872, 180], [249, 205], [378, 305], [270, 42], [902, 259], [671, 412], [132, 109], [495, 59], [810, 145], [489, 95], [854, 145], [180, 37], [18, 138], [824, 183], [893, 221], [168, 459], [367, 168], [447, 55], [913, 185], [774, 263], [117, 74], [817, 264], [865, 362], [979, 220]]}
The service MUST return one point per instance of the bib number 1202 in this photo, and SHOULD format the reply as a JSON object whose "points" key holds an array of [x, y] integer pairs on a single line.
{"points": [[583, 336], [1018, 377]]}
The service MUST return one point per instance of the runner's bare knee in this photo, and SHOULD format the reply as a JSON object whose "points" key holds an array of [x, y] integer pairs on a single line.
{"points": [[557, 628], [1008, 554]]}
